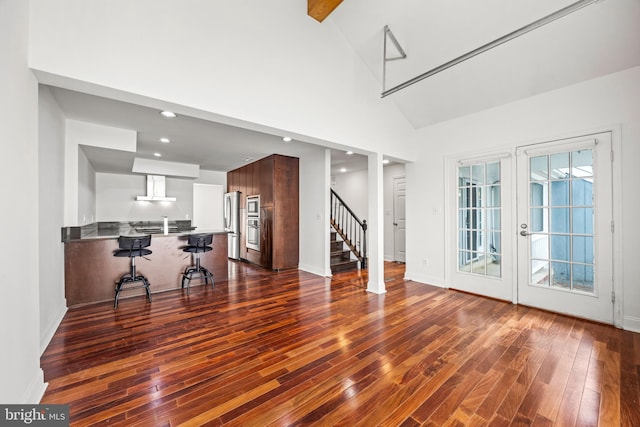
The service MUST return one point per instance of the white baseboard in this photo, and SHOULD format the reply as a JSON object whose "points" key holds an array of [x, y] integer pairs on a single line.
{"points": [[313, 270], [422, 278], [631, 323], [47, 335], [35, 390]]}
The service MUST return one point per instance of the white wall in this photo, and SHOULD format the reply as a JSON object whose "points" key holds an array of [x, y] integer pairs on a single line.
{"points": [[314, 212], [53, 304], [116, 197], [86, 190], [22, 379], [259, 75], [352, 187], [610, 102]]}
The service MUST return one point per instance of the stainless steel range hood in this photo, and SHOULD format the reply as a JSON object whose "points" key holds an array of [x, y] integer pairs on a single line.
{"points": [[156, 190]]}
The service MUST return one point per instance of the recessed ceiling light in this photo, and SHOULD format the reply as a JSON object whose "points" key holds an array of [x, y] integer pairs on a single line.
{"points": [[168, 114], [348, 153], [248, 159], [157, 154], [165, 140], [286, 139], [385, 161], [343, 170]]}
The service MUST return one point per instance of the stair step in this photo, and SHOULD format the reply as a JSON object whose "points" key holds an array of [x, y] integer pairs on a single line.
{"points": [[344, 266]]}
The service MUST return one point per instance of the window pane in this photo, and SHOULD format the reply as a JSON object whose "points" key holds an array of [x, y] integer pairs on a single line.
{"points": [[539, 168], [581, 192], [560, 248], [538, 194], [477, 196], [559, 166], [493, 219], [539, 246], [464, 261], [583, 249], [463, 198], [561, 275], [582, 220], [494, 245], [559, 193], [478, 264], [583, 278], [493, 196], [493, 268], [464, 176], [465, 219], [582, 163], [477, 174], [538, 220], [539, 272], [559, 220], [493, 173]]}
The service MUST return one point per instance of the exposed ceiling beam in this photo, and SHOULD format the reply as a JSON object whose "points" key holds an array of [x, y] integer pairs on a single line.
{"points": [[320, 9]]}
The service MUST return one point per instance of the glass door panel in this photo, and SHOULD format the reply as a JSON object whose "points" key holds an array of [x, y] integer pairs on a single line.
{"points": [[564, 227]]}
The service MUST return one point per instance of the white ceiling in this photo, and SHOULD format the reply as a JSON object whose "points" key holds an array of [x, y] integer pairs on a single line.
{"points": [[212, 146], [597, 40]]}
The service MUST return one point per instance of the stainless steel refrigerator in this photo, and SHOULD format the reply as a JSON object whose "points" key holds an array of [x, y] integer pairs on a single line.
{"points": [[232, 223]]}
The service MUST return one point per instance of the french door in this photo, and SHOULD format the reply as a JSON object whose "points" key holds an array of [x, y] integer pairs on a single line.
{"points": [[482, 258], [564, 235], [547, 241]]}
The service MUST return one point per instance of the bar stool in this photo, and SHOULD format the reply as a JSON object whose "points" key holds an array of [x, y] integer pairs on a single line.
{"points": [[196, 245], [132, 247]]}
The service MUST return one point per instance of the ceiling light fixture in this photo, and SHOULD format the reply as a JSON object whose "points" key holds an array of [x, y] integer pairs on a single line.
{"points": [[168, 114], [385, 162], [248, 159], [165, 140], [157, 154], [286, 139], [348, 153], [343, 170]]}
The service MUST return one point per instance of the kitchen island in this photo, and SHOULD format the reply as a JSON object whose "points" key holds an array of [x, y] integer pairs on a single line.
{"points": [[91, 270]]}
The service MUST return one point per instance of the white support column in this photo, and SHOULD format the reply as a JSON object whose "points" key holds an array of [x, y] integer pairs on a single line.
{"points": [[375, 221]]}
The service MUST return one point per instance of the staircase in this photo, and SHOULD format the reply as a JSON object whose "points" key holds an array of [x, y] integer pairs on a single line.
{"points": [[340, 257], [348, 236]]}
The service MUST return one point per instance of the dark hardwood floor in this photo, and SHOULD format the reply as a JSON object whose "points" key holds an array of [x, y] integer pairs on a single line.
{"points": [[292, 348]]}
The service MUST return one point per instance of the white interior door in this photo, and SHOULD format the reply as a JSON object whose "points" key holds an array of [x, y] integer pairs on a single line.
{"points": [[481, 259], [399, 219], [564, 226]]}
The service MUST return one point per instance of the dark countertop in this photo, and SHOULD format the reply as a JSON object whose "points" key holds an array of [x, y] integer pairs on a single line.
{"points": [[112, 229]]}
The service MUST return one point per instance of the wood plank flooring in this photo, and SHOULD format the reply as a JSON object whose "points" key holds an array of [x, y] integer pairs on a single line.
{"points": [[292, 348]]}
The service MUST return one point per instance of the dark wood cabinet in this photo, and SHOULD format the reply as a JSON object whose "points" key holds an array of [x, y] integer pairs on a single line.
{"points": [[276, 180]]}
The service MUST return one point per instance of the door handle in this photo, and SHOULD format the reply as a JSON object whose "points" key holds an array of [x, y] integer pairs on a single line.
{"points": [[524, 233]]}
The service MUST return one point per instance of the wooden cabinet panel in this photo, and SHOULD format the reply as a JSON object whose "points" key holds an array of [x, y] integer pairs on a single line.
{"points": [[266, 181], [276, 180], [286, 213]]}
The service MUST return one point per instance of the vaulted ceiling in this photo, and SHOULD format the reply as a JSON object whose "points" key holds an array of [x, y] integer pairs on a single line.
{"points": [[598, 39]]}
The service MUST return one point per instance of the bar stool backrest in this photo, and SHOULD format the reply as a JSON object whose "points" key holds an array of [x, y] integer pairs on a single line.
{"points": [[200, 241], [134, 245]]}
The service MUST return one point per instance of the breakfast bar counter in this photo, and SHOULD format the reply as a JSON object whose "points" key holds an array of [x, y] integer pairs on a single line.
{"points": [[91, 270]]}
